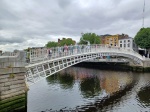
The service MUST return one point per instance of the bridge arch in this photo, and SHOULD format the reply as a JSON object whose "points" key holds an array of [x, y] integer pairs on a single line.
{"points": [[45, 68]]}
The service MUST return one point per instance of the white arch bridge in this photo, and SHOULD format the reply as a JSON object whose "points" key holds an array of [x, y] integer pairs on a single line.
{"points": [[43, 66]]}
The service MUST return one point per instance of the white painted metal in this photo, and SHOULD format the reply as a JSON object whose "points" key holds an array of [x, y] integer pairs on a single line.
{"points": [[43, 67]]}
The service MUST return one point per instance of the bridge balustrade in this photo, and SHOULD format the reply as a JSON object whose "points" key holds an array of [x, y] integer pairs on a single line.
{"points": [[45, 64], [36, 56]]}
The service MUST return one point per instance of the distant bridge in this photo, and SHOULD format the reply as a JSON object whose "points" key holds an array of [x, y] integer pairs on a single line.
{"points": [[43, 66]]}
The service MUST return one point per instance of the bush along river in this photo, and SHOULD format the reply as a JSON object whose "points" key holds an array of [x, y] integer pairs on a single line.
{"points": [[79, 89]]}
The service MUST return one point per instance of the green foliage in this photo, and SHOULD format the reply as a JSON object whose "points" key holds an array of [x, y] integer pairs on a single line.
{"points": [[51, 44], [27, 50], [67, 41], [13, 108], [142, 38], [11, 75], [12, 99], [91, 37], [10, 66], [12, 103]]}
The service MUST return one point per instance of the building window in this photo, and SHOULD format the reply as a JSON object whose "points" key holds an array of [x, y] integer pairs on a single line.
{"points": [[120, 41], [120, 45], [128, 45], [124, 45], [128, 40], [124, 41]]}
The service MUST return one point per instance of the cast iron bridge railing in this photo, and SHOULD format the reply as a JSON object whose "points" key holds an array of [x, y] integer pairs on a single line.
{"points": [[44, 66]]}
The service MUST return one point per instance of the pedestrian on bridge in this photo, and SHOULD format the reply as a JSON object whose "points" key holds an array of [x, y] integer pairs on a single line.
{"points": [[71, 49], [50, 53], [65, 49], [59, 51], [78, 48], [82, 48]]}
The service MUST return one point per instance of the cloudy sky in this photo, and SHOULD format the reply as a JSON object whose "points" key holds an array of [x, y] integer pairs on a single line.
{"points": [[32, 23]]}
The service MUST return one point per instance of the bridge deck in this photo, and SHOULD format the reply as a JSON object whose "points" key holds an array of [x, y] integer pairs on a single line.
{"points": [[44, 65]]}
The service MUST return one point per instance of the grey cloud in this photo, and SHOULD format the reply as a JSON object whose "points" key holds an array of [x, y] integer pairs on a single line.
{"points": [[64, 3], [4, 40], [6, 13], [37, 19]]}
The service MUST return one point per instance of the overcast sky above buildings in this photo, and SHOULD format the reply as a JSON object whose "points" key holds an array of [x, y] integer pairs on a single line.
{"points": [[32, 23]]}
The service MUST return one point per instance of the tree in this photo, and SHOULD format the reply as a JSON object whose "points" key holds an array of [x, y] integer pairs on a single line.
{"points": [[67, 41], [91, 37], [142, 38], [51, 44]]}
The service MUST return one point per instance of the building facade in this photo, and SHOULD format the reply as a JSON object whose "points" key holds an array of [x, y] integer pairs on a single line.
{"points": [[122, 41], [112, 40], [128, 43], [102, 38]]}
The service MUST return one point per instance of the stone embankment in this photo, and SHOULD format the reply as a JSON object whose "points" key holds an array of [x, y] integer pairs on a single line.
{"points": [[124, 66], [12, 83], [146, 63]]}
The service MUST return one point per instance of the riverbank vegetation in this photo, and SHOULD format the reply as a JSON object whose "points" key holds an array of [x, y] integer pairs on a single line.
{"points": [[92, 38], [142, 38]]}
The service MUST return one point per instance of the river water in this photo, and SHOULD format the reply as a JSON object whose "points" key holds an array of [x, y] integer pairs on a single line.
{"points": [[92, 90]]}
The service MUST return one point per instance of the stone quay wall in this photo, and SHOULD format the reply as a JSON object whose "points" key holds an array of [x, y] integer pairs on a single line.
{"points": [[146, 63], [12, 83]]}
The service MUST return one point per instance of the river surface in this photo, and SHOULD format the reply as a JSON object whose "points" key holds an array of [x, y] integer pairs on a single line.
{"points": [[92, 90]]}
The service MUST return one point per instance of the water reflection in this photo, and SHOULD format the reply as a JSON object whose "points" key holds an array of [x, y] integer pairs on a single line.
{"points": [[66, 81], [52, 79], [91, 81], [144, 96], [90, 87], [115, 81]]}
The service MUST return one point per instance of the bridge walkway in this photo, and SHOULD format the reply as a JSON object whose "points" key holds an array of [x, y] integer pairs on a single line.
{"points": [[43, 66]]}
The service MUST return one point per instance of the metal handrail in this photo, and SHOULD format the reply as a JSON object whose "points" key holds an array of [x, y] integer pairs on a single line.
{"points": [[77, 49]]}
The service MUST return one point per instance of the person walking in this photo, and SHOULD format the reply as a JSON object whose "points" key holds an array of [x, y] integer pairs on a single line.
{"points": [[78, 48], [59, 51], [50, 53], [65, 49], [71, 49]]}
